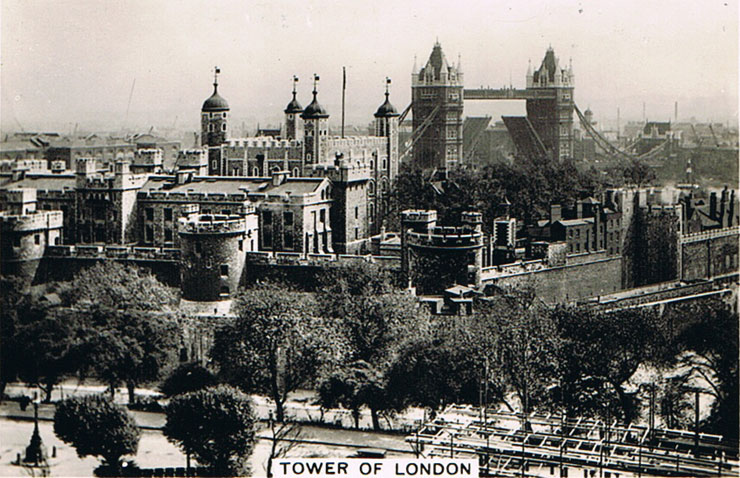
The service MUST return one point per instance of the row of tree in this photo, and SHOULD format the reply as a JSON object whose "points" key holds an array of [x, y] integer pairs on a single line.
{"points": [[360, 342], [112, 321], [216, 426]]}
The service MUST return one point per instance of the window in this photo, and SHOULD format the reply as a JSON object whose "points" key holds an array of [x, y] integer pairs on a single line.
{"points": [[224, 269], [241, 244], [148, 234], [452, 133], [167, 214], [288, 241], [37, 239], [372, 212], [288, 218], [168, 235], [17, 241], [214, 164], [224, 115], [357, 212], [357, 233], [223, 127], [267, 218], [226, 212], [267, 238], [296, 172], [149, 213], [210, 128], [224, 290], [322, 216]]}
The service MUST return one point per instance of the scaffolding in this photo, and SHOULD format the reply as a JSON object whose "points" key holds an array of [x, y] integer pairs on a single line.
{"points": [[512, 444]]}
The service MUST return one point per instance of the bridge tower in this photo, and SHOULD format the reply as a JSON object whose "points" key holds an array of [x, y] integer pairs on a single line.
{"points": [[437, 108], [552, 115]]}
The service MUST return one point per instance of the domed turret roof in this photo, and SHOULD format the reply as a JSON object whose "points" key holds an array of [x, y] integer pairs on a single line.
{"points": [[386, 109], [293, 106], [215, 102], [314, 110]]}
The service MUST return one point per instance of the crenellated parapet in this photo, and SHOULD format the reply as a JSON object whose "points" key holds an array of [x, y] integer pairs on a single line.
{"points": [[35, 221], [212, 224], [447, 237]]}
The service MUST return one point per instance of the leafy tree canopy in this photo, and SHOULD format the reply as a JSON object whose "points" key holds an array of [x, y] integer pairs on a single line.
{"points": [[216, 425], [95, 426]]}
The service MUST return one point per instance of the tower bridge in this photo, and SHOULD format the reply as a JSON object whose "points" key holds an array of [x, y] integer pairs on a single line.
{"points": [[438, 94]]}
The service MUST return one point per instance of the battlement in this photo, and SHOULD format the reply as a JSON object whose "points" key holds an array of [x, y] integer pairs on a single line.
{"points": [[263, 142], [35, 221], [301, 259], [148, 156], [114, 252], [472, 217], [191, 195], [418, 215], [212, 224], [345, 171], [446, 237], [710, 234]]}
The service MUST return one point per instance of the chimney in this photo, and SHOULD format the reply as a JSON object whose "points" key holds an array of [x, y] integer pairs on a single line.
{"points": [[579, 209], [723, 207], [279, 177], [713, 205], [556, 213], [731, 210]]}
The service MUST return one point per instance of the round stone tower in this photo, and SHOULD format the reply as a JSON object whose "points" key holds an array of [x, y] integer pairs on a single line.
{"points": [[435, 258], [212, 255]]}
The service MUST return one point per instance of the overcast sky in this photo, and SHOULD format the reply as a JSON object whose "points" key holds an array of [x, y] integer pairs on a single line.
{"points": [[75, 61]]}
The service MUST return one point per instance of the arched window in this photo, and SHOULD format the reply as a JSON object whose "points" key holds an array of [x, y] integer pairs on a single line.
{"points": [[371, 187], [296, 172]]}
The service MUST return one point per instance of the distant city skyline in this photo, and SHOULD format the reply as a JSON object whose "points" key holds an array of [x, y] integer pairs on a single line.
{"points": [[77, 61]]}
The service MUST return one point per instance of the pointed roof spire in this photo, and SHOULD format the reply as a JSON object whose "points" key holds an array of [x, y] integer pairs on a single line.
{"points": [[415, 66]]}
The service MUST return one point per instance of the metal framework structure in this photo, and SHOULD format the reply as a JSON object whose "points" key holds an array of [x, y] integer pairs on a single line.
{"points": [[551, 445], [609, 148]]}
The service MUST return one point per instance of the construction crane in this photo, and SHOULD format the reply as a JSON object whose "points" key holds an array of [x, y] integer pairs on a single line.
{"points": [[714, 136], [696, 135]]}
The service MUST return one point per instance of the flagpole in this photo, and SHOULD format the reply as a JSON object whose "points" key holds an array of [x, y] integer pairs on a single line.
{"points": [[344, 89]]}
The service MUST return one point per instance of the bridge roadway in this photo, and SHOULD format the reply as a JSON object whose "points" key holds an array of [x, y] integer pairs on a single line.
{"points": [[510, 94]]}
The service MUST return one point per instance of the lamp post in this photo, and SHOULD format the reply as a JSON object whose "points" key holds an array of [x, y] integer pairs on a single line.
{"points": [[35, 451]]}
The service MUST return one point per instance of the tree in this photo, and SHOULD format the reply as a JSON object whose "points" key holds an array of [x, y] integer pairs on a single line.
{"points": [[283, 438], [353, 386], [375, 321], [117, 286], [216, 426], [128, 347], [275, 345], [600, 351], [188, 377], [434, 373], [11, 300], [706, 339], [95, 426], [44, 344]]}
